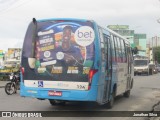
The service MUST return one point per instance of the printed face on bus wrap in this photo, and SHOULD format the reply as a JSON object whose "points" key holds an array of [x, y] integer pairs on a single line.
{"points": [[67, 31]]}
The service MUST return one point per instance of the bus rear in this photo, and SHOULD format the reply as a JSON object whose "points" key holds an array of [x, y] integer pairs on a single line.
{"points": [[58, 60]]}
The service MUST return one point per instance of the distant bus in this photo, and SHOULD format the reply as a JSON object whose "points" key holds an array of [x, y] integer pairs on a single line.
{"points": [[67, 60]]}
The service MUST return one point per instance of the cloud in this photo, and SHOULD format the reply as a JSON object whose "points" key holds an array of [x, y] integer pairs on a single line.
{"points": [[16, 14], [10, 43], [7, 4]]}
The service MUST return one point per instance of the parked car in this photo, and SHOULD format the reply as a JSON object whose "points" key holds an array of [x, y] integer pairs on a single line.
{"points": [[158, 67]]}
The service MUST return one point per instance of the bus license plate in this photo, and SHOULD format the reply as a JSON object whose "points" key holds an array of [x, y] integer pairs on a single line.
{"points": [[54, 93]]}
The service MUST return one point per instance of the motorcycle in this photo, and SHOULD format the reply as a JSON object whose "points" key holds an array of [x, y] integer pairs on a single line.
{"points": [[14, 85]]}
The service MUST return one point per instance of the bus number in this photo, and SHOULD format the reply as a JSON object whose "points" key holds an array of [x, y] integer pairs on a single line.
{"points": [[81, 87]]}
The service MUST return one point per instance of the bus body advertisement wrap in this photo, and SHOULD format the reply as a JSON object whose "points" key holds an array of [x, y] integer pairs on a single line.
{"points": [[61, 56], [74, 60]]}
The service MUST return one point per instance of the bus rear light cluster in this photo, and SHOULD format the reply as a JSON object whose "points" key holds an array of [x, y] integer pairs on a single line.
{"points": [[22, 70], [91, 74]]}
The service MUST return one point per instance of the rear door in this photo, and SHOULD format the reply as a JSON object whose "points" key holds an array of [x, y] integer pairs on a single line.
{"points": [[104, 67], [108, 68]]}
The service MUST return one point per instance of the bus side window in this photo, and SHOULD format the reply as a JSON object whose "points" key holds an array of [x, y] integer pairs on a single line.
{"points": [[119, 49], [126, 51], [113, 49], [108, 53], [109, 49], [106, 49], [123, 51], [102, 51], [116, 49], [129, 54], [102, 45]]}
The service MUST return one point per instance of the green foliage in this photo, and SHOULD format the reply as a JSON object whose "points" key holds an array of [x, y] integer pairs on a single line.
{"points": [[156, 51]]}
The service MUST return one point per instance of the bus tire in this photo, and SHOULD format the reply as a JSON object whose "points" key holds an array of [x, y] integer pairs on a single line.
{"points": [[62, 103], [55, 102], [111, 102], [131, 86], [127, 93], [52, 102]]}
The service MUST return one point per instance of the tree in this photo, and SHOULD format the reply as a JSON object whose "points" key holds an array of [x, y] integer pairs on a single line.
{"points": [[156, 54]]}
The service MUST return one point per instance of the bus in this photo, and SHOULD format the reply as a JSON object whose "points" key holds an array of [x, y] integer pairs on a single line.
{"points": [[66, 59]]}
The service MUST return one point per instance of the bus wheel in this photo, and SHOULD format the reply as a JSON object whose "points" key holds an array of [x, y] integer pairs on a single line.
{"points": [[62, 103], [56, 102], [111, 102], [127, 94], [52, 102], [131, 84]]}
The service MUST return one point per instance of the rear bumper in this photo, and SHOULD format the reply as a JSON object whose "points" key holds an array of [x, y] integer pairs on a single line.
{"points": [[141, 71], [68, 95]]}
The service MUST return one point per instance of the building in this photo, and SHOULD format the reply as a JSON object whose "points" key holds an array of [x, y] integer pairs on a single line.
{"points": [[140, 41], [13, 54], [1, 58], [136, 39], [154, 42]]}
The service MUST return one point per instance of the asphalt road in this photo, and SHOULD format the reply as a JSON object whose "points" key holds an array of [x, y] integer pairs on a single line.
{"points": [[144, 95]]}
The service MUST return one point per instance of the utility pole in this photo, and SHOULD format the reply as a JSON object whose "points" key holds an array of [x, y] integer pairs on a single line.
{"points": [[152, 50], [156, 40], [152, 41]]}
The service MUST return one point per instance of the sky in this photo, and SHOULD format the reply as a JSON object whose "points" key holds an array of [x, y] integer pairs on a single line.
{"points": [[15, 15]]}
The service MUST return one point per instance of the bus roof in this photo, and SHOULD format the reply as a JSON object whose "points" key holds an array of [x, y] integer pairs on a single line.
{"points": [[84, 20], [113, 32], [61, 19]]}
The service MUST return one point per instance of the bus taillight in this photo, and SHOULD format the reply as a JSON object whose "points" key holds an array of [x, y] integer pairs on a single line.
{"points": [[22, 70], [91, 74]]}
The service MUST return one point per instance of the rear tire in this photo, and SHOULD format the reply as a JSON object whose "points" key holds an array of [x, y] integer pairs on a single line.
{"points": [[55, 102], [111, 102], [127, 94], [52, 102], [10, 88]]}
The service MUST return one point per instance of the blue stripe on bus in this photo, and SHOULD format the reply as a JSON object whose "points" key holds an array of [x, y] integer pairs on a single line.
{"points": [[63, 23], [80, 20]]}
